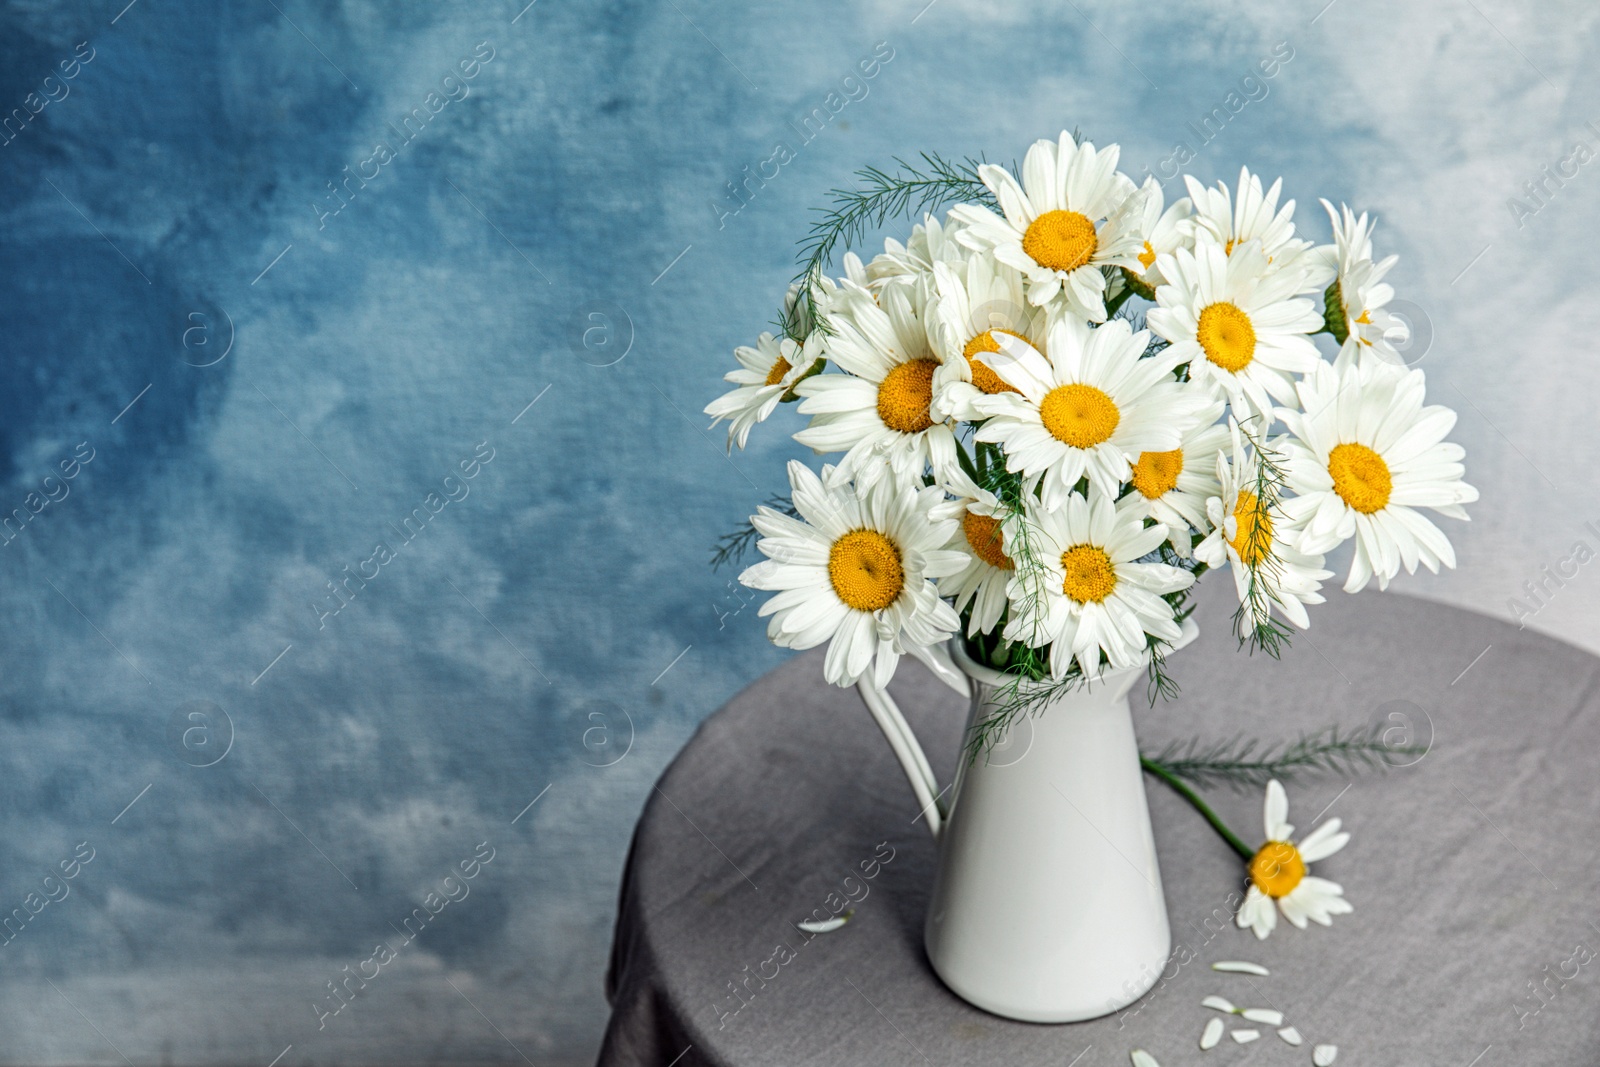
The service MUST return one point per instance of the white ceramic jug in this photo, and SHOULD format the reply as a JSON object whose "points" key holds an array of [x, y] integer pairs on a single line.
{"points": [[1048, 904]]}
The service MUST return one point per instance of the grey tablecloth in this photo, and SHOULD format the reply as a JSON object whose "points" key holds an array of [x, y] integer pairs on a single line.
{"points": [[1473, 872]]}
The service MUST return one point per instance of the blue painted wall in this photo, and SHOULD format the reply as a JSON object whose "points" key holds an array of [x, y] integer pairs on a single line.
{"points": [[280, 282]]}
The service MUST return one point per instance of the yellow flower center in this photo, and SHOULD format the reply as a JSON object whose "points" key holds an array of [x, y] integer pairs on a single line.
{"points": [[1079, 415], [983, 535], [779, 369], [1252, 538], [1277, 868], [905, 394], [1061, 240], [1156, 473], [1227, 336], [983, 376], [1227, 249], [1360, 477], [1089, 578], [864, 567], [1147, 257]]}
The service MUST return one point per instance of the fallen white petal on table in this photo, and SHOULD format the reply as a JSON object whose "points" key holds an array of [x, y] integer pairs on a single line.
{"points": [[1291, 1035], [825, 926], [1244, 1037], [1212, 1035], [1219, 1003], [1324, 1055], [1239, 967], [1263, 1015], [1141, 1058]]}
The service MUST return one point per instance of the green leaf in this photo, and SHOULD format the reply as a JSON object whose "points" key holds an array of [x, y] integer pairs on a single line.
{"points": [[1248, 763], [910, 191]]}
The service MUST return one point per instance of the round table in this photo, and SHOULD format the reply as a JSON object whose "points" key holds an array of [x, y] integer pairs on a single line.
{"points": [[1473, 871]]}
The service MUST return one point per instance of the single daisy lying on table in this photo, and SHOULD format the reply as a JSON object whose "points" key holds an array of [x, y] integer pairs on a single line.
{"points": [[1280, 873]]}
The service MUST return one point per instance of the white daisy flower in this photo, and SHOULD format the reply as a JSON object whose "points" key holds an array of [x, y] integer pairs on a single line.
{"points": [[1252, 538], [1254, 216], [1365, 456], [1165, 231], [1087, 408], [881, 409], [1085, 593], [1279, 873], [1361, 293], [856, 569], [972, 303], [985, 578], [1172, 486], [1237, 324], [1072, 214], [931, 242], [767, 374]]}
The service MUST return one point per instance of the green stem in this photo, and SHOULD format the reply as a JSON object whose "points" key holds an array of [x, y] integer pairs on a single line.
{"points": [[1199, 805], [1115, 303], [966, 463]]}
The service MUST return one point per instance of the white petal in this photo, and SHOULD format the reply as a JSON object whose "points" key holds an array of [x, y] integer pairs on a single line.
{"points": [[1240, 967], [1263, 1015], [1291, 1035], [1257, 913], [1276, 812], [825, 926], [1219, 1003], [1324, 1055], [1244, 1037], [1141, 1058], [1212, 1034], [1323, 842], [1266, 918]]}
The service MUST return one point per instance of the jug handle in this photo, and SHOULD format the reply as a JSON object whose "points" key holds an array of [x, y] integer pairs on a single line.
{"points": [[913, 761]]}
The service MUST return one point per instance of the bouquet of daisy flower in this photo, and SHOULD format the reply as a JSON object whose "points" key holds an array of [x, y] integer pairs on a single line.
{"points": [[1049, 412], [1027, 457]]}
